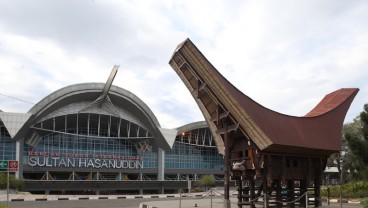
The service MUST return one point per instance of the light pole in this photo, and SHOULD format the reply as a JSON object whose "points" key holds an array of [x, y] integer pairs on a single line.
{"points": [[341, 181]]}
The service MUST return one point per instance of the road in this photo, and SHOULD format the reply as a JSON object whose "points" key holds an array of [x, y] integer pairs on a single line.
{"points": [[120, 203], [102, 203]]}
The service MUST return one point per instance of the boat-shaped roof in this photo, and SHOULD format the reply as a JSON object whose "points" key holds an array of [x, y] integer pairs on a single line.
{"points": [[316, 133]]}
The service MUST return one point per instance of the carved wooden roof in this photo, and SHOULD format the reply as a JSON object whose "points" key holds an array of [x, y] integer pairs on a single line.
{"points": [[318, 132]]}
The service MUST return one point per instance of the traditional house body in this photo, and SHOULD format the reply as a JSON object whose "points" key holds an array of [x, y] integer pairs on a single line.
{"points": [[267, 153]]}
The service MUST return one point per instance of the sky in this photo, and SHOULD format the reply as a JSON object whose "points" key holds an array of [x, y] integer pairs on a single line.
{"points": [[286, 54]]}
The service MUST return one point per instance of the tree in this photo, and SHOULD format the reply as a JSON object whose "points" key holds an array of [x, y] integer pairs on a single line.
{"points": [[357, 141], [342, 159], [206, 181]]}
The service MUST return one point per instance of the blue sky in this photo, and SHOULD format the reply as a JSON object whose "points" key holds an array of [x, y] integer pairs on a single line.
{"points": [[286, 55]]}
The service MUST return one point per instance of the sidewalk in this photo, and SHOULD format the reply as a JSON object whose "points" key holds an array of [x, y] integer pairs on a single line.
{"points": [[188, 203]]}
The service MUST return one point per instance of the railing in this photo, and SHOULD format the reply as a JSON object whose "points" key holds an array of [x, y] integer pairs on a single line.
{"points": [[265, 199]]}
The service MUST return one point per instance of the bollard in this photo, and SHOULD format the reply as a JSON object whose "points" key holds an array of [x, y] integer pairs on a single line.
{"points": [[195, 205], [180, 199]]}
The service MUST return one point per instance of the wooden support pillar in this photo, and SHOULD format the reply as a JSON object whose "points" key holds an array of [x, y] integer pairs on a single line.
{"points": [[252, 192], [291, 192], [246, 191], [240, 192], [317, 184], [317, 191], [283, 172], [278, 193], [303, 189], [227, 169], [265, 191], [268, 160], [225, 131]]}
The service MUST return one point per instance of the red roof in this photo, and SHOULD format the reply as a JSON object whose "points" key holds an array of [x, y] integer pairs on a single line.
{"points": [[318, 132], [331, 101]]}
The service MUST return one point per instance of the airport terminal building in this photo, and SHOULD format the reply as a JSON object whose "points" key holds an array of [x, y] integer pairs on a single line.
{"points": [[99, 138]]}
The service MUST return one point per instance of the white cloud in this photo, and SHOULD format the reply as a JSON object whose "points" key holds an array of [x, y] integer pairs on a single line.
{"points": [[286, 55], [275, 51]]}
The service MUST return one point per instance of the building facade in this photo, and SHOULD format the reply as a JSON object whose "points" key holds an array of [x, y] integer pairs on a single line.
{"points": [[96, 137]]}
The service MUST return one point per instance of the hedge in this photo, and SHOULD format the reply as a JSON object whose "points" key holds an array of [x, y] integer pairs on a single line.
{"points": [[357, 189]]}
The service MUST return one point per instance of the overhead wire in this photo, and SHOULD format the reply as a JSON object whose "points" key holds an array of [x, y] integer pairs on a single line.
{"points": [[17, 99]]}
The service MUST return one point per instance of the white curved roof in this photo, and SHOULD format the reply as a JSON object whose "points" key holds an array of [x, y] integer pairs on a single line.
{"points": [[204, 124], [74, 98]]}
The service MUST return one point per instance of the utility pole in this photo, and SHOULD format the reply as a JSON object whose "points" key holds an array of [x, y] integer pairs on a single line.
{"points": [[341, 182], [7, 189]]}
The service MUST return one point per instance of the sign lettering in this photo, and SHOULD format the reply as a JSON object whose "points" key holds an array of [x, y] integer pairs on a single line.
{"points": [[84, 162]]}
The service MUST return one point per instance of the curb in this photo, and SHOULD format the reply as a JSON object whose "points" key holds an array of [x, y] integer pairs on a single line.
{"points": [[345, 201], [146, 206], [92, 198]]}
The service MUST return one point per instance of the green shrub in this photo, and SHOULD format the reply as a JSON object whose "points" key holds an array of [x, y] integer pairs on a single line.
{"points": [[365, 202], [357, 189], [14, 183]]}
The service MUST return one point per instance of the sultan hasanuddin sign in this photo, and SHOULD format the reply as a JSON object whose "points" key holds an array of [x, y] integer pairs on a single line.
{"points": [[45, 159]]}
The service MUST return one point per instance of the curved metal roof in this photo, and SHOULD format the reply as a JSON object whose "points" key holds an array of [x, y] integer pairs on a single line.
{"points": [[89, 92], [135, 108], [319, 132], [191, 126], [202, 124]]}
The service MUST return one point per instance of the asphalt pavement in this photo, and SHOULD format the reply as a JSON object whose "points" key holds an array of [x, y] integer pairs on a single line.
{"points": [[200, 200], [218, 203]]}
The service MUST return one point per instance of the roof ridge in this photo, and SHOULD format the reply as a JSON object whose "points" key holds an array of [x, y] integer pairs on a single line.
{"points": [[331, 101]]}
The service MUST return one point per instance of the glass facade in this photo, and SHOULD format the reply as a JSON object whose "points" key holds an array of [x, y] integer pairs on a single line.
{"points": [[185, 156], [66, 144], [194, 149], [7, 145], [149, 159]]}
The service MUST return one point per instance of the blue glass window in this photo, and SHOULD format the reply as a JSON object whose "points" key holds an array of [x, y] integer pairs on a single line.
{"points": [[7, 145]]}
